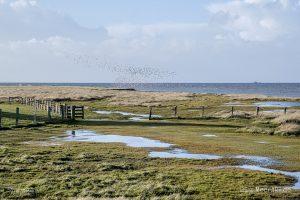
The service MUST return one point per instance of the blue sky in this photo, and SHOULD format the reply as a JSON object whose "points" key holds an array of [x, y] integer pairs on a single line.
{"points": [[149, 40]]}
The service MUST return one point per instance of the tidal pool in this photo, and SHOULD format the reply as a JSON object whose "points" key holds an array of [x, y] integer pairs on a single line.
{"points": [[277, 104], [209, 135], [261, 160], [131, 141], [180, 153], [134, 117], [295, 175]]}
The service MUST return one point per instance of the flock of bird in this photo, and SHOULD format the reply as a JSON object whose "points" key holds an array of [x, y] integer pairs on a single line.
{"points": [[125, 73]]}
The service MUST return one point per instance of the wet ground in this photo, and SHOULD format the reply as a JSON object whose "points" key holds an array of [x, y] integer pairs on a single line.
{"points": [[279, 104], [260, 163]]}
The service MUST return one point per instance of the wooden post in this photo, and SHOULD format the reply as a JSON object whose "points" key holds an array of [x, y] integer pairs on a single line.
{"points": [[56, 108], [17, 116], [35, 113], [73, 112], [49, 113], [285, 110], [257, 111], [0, 118], [62, 112], [150, 113], [82, 112], [232, 110], [175, 111], [47, 106], [41, 105], [203, 111]]}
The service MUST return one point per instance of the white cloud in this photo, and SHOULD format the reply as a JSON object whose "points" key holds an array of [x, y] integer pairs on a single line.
{"points": [[21, 4], [256, 20], [41, 39]]}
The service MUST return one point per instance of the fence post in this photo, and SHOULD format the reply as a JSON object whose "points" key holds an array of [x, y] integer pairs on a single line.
{"points": [[0, 118], [82, 112], [35, 113], [62, 111], [232, 110], [17, 116], [285, 110], [73, 112], [49, 113], [56, 108], [150, 113], [175, 111], [203, 111], [257, 111]]}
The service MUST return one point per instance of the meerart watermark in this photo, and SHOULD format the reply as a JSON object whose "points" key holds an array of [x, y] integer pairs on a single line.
{"points": [[267, 189]]}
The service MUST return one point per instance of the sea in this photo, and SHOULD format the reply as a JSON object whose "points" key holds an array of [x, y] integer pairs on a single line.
{"points": [[269, 89]]}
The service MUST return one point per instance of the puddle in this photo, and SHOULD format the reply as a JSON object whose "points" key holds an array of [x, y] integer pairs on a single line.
{"points": [[135, 117], [209, 135], [180, 153], [262, 142], [295, 175], [131, 141], [277, 104], [261, 160]]}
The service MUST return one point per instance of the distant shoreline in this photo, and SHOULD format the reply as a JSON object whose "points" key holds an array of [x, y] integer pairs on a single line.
{"points": [[92, 92], [284, 90]]}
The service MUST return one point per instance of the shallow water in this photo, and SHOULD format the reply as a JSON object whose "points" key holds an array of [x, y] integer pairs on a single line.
{"points": [[277, 104], [262, 142], [135, 117], [261, 160], [295, 175], [180, 153], [209, 135], [131, 141]]}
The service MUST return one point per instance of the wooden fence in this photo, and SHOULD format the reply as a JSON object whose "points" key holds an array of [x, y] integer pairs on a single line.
{"points": [[71, 112], [232, 110], [66, 112]]}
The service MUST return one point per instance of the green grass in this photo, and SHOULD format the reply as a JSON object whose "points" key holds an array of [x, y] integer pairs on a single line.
{"points": [[114, 170], [31, 166]]}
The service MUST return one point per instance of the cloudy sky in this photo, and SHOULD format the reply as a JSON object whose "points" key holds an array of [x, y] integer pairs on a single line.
{"points": [[149, 40]]}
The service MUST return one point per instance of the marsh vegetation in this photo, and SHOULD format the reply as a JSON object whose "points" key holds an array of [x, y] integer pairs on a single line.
{"points": [[34, 164]]}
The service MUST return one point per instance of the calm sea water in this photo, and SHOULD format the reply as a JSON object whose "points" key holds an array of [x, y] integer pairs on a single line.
{"points": [[270, 89]]}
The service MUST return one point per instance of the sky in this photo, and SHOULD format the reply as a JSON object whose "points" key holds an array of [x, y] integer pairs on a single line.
{"points": [[149, 41]]}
